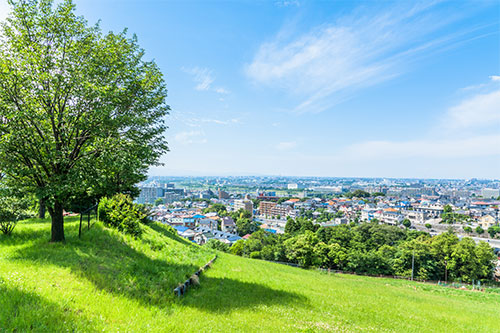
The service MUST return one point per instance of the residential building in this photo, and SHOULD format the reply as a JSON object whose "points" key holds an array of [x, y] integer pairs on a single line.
{"points": [[243, 204], [228, 225]]}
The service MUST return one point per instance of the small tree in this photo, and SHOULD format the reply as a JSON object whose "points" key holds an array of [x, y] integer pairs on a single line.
{"points": [[479, 230], [158, 202], [428, 226], [406, 223], [468, 229], [493, 230]]}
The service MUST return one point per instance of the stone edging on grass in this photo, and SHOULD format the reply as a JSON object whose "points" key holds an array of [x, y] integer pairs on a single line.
{"points": [[193, 279]]}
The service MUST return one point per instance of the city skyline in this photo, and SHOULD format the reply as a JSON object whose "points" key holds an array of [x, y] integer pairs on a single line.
{"points": [[347, 89]]}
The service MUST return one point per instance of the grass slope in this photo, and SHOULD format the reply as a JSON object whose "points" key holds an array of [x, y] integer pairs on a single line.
{"points": [[111, 282]]}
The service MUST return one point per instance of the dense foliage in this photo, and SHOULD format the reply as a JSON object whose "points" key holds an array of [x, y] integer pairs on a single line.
{"points": [[82, 112], [120, 212], [374, 249]]}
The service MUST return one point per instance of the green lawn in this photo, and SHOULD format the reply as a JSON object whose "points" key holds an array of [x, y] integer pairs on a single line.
{"points": [[111, 282]]}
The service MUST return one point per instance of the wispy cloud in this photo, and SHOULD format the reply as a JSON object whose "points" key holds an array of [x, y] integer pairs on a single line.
{"points": [[287, 145], [287, 3], [486, 145], [190, 137], [482, 110], [328, 64], [204, 78], [472, 126], [201, 76]]}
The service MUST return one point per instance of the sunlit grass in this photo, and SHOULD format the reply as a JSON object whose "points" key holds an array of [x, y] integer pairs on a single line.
{"points": [[112, 282]]}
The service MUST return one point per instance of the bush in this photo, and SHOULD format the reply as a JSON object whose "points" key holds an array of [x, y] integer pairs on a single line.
{"points": [[217, 245], [255, 255], [121, 213], [12, 210]]}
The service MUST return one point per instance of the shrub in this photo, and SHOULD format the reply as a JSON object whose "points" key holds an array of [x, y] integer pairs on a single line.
{"points": [[12, 210], [217, 245], [121, 213], [255, 255]]}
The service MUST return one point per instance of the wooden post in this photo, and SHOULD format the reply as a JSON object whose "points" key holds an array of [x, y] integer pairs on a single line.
{"points": [[80, 229]]}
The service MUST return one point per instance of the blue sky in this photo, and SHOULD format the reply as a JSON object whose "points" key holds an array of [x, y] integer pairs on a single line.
{"points": [[325, 88]]}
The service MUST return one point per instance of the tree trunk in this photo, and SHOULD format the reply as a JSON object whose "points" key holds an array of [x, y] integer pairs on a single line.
{"points": [[41, 208], [56, 213]]}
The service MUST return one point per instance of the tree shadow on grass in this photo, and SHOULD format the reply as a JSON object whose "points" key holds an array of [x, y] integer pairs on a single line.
{"points": [[226, 295], [112, 265], [22, 311]]}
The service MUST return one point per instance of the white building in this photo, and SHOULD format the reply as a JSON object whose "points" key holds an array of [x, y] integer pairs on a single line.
{"points": [[490, 193]]}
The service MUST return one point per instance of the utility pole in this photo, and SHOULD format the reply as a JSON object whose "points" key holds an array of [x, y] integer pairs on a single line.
{"points": [[412, 264]]}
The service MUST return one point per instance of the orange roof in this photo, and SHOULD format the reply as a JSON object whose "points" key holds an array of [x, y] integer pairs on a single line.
{"points": [[391, 210]]}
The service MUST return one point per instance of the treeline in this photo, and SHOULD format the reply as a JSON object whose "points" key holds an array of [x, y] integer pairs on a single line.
{"points": [[374, 249]]}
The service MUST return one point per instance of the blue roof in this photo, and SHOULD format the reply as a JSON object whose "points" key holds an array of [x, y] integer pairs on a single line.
{"points": [[271, 230], [180, 228], [199, 216]]}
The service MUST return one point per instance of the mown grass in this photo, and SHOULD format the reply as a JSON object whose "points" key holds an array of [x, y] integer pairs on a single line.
{"points": [[111, 282]]}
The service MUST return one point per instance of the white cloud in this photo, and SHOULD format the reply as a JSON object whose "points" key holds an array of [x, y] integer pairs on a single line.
{"points": [[196, 122], [286, 145], [287, 3], [495, 77], [481, 110], [201, 76], [488, 145], [191, 137], [327, 64], [221, 91], [204, 78]]}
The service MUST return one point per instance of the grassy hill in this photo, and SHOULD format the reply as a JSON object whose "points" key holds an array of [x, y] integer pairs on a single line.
{"points": [[112, 282]]}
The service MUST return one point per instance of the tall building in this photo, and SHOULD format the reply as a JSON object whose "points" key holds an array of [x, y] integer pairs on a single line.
{"points": [[243, 204], [266, 207], [223, 194]]}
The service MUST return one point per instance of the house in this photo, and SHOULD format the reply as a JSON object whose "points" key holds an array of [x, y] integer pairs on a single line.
{"points": [[204, 234], [228, 225], [207, 223], [185, 232], [486, 221]]}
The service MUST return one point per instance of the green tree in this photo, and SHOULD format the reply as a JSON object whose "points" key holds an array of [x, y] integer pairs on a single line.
{"points": [[300, 249], [406, 223], [246, 226], [158, 202], [468, 229], [71, 100], [486, 260], [428, 226], [238, 247], [479, 230], [494, 230]]}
